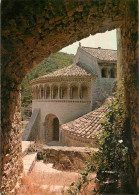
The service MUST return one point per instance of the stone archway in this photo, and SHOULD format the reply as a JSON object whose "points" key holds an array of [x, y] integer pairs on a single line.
{"points": [[51, 128], [31, 31]]}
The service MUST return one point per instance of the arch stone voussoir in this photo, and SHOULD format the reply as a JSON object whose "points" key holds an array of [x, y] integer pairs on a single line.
{"points": [[34, 29]]}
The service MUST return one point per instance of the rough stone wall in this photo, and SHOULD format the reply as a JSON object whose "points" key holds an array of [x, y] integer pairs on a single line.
{"points": [[64, 157], [101, 89], [12, 165], [105, 86], [88, 62], [31, 31], [129, 68]]}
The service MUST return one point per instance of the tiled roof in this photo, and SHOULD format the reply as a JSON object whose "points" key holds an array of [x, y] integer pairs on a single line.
{"points": [[72, 70], [87, 125], [102, 54]]}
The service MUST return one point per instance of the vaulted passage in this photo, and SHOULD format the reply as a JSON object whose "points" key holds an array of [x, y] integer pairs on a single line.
{"points": [[31, 31], [51, 128]]}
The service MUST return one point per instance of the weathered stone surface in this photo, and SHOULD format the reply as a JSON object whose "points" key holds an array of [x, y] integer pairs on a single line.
{"points": [[65, 158], [31, 31]]}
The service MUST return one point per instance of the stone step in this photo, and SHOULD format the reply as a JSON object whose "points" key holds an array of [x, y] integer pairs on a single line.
{"points": [[29, 161], [58, 189]]}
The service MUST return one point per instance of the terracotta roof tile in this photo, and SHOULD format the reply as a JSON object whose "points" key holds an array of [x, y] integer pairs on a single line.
{"points": [[88, 124], [72, 70], [102, 54]]}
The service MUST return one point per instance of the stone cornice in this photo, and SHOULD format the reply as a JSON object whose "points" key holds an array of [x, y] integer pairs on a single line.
{"points": [[62, 100], [107, 62]]}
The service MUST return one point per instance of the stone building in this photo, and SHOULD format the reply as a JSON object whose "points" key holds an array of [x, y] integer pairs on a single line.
{"points": [[69, 93]]}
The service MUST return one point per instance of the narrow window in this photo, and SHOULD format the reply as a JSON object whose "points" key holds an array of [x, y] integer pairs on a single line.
{"points": [[104, 73], [112, 73]]}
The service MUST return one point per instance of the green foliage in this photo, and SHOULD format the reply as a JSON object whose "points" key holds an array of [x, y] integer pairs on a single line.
{"points": [[54, 62], [112, 162]]}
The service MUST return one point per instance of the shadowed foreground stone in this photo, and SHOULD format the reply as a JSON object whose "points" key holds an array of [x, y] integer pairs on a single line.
{"points": [[31, 31]]}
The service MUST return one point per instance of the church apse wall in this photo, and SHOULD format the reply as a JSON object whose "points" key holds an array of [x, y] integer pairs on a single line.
{"points": [[72, 92], [66, 100]]}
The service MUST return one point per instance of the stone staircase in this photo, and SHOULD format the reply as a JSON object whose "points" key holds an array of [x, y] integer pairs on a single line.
{"points": [[32, 165], [29, 159], [32, 128]]}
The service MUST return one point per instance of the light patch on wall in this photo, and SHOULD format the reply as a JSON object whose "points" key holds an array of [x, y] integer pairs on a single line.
{"points": [[105, 40]]}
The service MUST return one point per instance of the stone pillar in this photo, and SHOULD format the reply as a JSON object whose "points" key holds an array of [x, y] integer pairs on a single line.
{"points": [[59, 92], [44, 92], [79, 90], [51, 92], [69, 92], [108, 72], [11, 145], [119, 55], [40, 94], [128, 69]]}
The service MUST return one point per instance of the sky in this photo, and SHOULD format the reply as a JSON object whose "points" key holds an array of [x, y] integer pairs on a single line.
{"points": [[105, 40]]}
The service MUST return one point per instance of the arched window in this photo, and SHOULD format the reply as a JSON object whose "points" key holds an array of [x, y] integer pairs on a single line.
{"points": [[112, 73], [74, 92], [42, 93], [55, 92], [63, 92], [84, 92], [47, 92], [104, 72]]}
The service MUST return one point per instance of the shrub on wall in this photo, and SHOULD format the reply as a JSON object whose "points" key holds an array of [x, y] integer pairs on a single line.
{"points": [[112, 162]]}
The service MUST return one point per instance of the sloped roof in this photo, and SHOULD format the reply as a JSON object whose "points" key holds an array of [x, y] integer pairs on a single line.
{"points": [[73, 70], [77, 68], [87, 125], [102, 54]]}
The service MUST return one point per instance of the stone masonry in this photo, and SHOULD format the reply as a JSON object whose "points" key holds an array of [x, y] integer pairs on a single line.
{"points": [[31, 31]]}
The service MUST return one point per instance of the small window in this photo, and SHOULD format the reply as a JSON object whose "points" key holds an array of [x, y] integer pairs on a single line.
{"points": [[47, 92], [64, 93], [42, 93], [55, 92], [84, 92], [74, 93], [104, 73], [112, 73]]}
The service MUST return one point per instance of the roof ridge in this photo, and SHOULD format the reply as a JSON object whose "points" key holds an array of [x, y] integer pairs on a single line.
{"points": [[99, 48]]}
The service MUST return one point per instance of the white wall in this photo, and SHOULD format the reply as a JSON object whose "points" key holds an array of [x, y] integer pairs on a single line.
{"points": [[65, 111]]}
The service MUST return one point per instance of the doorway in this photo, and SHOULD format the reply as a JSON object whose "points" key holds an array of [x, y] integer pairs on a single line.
{"points": [[56, 129], [51, 128]]}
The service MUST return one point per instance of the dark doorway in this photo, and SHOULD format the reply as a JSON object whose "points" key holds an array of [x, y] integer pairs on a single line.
{"points": [[56, 129]]}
